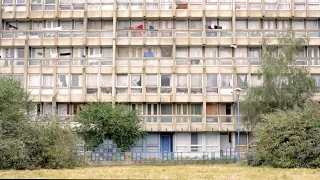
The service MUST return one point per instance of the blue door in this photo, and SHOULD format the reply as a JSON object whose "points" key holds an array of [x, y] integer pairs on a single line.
{"points": [[165, 143], [165, 147]]}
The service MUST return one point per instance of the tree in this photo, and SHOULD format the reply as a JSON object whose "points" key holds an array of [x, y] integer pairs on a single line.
{"points": [[25, 144], [284, 86], [99, 121], [289, 139]]}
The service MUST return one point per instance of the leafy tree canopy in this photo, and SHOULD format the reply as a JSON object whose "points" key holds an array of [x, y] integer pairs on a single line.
{"points": [[284, 86], [99, 121]]}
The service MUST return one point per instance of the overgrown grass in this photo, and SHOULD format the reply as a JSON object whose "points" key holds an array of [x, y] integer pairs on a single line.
{"points": [[220, 172]]}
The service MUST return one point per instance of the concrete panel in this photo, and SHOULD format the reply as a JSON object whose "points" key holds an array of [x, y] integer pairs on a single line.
{"points": [[19, 42], [136, 41], [196, 41], [182, 41], [226, 98], [196, 98], [107, 13], [106, 41], [49, 42], [165, 98], [255, 41], [65, 14], [181, 13], [211, 13], [168, 70], [164, 127], [91, 97], [123, 13], [93, 41], [227, 127], [19, 70], [106, 70], [152, 98], [7, 15], [225, 41], [122, 41], [182, 127], [34, 70], [151, 69], [77, 98], [46, 98], [92, 69], [123, 69], [77, 41], [49, 14], [212, 41], [314, 41], [212, 127], [154, 127], [121, 98], [270, 13], [225, 13], [48, 70], [135, 69], [212, 98], [242, 69], [242, 41], [136, 98], [152, 41], [61, 69], [195, 127], [166, 41], [300, 13], [136, 13], [78, 14], [196, 69], [314, 13], [62, 98], [166, 13], [35, 42], [195, 13], [152, 13], [181, 98], [255, 13], [93, 14], [7, 42], [105, 98], [226, 69], [21, 14], [64, 41], [241, 13], [284, 13]]}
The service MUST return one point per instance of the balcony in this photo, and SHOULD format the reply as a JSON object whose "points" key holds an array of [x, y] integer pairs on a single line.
{"points": [[218, 37], [100, 37], [100, 8]]}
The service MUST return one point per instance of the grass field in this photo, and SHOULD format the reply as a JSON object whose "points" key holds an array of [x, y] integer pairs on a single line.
{"points": [[220, 172]]}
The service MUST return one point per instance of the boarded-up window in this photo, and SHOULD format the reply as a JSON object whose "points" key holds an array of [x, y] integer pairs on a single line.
{"points": [[212, 109]]}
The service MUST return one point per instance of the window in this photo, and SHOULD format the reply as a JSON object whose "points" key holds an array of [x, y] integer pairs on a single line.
{"points": [[297, 24], [182, 52], [194, 24], [243, 139], [196, 109], [106, 83], [49, 5], [166, 109], [152, 142], [20, 53], [66, 25], [196, 55], [181, 24], [182, 84], [196, 83], [136, 83], [182, 109], [65, 53], [317, 79], [123, 52], [152, 111], [151, 4], [76, 80], [152, 83], [242, 80], [284, 4], [211, 55], [196, 142], [20, 79], [212, 83], [226, 80], [78, 24], [256, 80], [94, 25], [241, 56], [122, 83], [62, 80], [34, 80], [50, 53], [271, 4], [63, 109], [92, 83], [300, 4], [166, 83], [47, 80]]}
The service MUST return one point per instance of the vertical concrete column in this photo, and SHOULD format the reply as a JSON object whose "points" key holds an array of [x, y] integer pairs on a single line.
{"points": [[233, 22], [28, 2], [85, 22], [56, 9], [26, 56], [114, 32]]}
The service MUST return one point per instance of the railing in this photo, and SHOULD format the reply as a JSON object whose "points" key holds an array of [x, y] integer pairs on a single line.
{"points": [[107, 156], [150, 61], [181, 156], [218, 119]]}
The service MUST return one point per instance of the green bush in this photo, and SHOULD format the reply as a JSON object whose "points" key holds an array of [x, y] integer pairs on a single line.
{"points": [[289, 139], [25, 144]]}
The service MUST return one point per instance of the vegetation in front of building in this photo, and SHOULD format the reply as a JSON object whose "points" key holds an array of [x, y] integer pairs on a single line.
{"points": [[25, 144], [101, 120], [285, 124]]}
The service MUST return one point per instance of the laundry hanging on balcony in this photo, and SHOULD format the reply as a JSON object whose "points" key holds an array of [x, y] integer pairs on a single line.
{"points": [[135, 33]]}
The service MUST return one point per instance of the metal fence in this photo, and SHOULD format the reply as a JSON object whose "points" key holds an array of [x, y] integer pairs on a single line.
{"points": [[180, 156]]}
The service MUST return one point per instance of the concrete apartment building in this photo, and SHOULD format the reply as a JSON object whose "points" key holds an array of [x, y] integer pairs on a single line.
{"points": [[176, 61]]}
